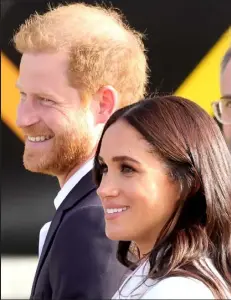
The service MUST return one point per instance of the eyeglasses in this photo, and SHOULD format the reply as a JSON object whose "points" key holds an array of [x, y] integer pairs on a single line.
{"points": [[222, 110]]}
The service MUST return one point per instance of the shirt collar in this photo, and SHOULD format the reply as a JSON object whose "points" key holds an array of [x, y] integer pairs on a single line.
{"points": [[72, 181]]}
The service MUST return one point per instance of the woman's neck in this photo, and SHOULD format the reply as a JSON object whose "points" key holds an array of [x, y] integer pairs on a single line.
{"points": [[144, 248]]}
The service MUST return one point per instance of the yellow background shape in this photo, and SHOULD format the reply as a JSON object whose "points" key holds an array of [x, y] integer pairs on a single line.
{"points": [[202, 85], [9, 95]]}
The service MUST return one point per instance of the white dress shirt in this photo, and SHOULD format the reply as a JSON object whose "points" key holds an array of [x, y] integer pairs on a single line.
{"points": [[62, 194], [136, 287]]}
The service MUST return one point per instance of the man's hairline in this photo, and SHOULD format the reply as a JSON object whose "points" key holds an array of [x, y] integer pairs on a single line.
{"points": [[225, 60]]}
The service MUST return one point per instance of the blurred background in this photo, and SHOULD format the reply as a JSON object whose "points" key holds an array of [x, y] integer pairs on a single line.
{"points": [[185, 40]]}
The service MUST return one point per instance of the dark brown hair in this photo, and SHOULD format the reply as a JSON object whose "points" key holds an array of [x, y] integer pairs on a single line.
{"points": [[190, 143]]}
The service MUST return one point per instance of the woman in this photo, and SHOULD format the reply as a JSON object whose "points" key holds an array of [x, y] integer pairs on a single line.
{"points": [[163, 173]]}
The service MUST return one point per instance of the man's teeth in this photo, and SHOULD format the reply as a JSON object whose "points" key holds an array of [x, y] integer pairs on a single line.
{"points": [[41, 138], [115, 210]]}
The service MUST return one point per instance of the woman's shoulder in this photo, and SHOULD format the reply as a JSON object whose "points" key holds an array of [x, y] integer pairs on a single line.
{"points": [[179, 287]]}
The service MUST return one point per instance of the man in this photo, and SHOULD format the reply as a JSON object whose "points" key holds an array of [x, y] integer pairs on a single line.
{"points": [[222, 108], [79, 64]]}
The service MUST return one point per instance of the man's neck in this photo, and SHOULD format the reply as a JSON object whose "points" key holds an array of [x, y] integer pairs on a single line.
{"points": [[65, 177]]}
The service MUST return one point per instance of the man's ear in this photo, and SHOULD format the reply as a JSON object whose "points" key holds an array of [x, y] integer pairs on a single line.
{"points": [[106, 103]]}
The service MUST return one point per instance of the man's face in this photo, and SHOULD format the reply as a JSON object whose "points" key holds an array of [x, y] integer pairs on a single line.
{"points": [[226, 93], [59, 132]]}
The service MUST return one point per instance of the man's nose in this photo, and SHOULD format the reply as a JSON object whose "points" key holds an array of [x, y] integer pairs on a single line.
{"points": [[26, 115]]}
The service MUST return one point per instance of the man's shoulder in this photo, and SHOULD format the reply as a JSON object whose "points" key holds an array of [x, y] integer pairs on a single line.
{"points": [[89, 201], [88, 198], [85, 213], [81, 224], [88, 210]]}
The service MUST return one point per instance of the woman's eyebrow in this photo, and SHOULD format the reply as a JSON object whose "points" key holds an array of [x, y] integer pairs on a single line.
{"points": [[124, 158]]}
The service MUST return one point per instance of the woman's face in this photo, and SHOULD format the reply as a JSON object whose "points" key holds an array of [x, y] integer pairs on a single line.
{"points": [[138, 196], [226, 93]]}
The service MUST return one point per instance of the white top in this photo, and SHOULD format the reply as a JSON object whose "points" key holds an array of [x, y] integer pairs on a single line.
{"points": [[62, 194], [134, 287]]}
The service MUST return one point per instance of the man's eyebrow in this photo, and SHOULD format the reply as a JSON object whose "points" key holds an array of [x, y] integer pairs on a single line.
{"points": [[43, 93]]}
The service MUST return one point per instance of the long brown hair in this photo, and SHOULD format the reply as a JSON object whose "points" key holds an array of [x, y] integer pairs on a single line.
{"points": [[192, 146]]}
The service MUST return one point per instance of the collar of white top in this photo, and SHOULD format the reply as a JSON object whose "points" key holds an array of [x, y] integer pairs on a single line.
{"points": [[72, 181]]}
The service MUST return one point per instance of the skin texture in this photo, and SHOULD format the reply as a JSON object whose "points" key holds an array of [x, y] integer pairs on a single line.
{"points": [[50, 107], [226, 92], [143, 186]]}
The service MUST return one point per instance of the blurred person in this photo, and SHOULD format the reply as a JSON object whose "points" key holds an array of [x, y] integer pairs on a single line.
{"points": [[167, 192], [79, 64], [222, 108]]}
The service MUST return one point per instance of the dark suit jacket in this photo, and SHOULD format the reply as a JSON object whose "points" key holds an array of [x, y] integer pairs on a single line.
{"points": [[78, 261]]}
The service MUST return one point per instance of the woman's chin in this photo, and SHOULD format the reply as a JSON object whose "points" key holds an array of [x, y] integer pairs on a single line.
{"points": [[116, 236]]}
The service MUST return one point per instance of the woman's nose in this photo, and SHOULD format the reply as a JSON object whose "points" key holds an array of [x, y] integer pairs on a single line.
{"points": [[107, 189]]}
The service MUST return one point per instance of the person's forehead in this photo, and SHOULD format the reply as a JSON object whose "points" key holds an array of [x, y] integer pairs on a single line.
{"points": [[118, 132], [42, 71], [121, 138], [226, 80], [43, 62]]}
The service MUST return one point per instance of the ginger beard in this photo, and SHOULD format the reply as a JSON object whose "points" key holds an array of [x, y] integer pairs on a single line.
{"points": [[67, 149]]}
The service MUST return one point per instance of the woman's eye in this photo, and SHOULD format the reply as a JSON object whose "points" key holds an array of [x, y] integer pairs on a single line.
{"points": [[103, 168], [22, 95], [127, 169]]}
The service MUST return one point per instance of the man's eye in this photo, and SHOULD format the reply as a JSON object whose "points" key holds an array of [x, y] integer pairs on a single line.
{"points": [[127, 169], [228, 103], [46, 100]]}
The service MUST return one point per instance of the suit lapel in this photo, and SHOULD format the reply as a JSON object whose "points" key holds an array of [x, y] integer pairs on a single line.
{"points": [[78, 193]]}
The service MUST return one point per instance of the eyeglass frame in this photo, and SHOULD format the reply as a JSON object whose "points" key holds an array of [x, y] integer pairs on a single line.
{"points": [[218, 102]]}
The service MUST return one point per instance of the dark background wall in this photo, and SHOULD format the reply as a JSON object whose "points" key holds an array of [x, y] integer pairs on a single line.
{"points": [[179, 34]]}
